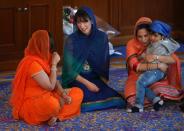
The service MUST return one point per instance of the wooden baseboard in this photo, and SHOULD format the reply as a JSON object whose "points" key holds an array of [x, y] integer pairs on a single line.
{"points": [[120, 40], [10, 65]]}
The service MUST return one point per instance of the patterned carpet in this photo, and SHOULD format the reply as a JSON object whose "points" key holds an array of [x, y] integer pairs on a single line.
{"points": [[168, 119]]}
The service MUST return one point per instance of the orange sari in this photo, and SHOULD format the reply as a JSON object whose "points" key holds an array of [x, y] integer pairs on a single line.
{"points": [[32, 103], [170, 88]]}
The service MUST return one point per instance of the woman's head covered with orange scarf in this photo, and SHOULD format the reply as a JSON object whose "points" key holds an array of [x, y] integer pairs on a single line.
{"points": [[38, 50], [38, 45], [143, 27]]}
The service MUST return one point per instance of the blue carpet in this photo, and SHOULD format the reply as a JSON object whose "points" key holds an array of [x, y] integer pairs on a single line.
{"points": [[169, 118]]}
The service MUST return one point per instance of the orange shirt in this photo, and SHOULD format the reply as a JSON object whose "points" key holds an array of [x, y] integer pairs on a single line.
{"points": [[33, 89]]}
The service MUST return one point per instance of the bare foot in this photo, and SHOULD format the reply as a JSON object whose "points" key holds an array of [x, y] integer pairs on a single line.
{"points": [[52, 121]]}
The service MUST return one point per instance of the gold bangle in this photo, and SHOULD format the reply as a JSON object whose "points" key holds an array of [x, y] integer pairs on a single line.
{"points": [[157, 58], [149, 66], [53, 64]]}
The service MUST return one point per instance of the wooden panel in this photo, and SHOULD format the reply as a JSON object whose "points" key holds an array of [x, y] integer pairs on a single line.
{"points": [[7, 38], [178, 20], [178, 14], [11, 42], [38, 15], [114, 13], [57, 22], [20, 19], [46, 14], [130, 11], [100, 7]]}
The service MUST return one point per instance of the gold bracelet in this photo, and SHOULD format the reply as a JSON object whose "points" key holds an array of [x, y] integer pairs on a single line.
{"points": [[149, 66], [157, 58], [53, 65]]}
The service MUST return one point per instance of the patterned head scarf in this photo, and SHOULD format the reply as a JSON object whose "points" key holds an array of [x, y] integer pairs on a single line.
{"points": [[142, 22]]}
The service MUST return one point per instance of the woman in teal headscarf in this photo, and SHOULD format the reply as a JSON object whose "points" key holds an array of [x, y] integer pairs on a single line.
{"points": [[86, 63]]}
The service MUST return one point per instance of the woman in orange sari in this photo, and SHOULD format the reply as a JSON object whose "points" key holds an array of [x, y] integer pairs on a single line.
{"points": [[170, 87], [37, 97]]}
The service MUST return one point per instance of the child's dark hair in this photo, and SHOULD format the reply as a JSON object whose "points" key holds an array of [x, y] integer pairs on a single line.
{"points": [[51, 42], [81, 16], [143, 26]]}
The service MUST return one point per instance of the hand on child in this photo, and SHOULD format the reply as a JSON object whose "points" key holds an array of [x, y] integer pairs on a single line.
{"points": [[163, 67], [150, 58]]}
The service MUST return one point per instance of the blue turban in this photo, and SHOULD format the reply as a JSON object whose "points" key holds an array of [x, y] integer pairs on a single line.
{"points": [[160, 27]]}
